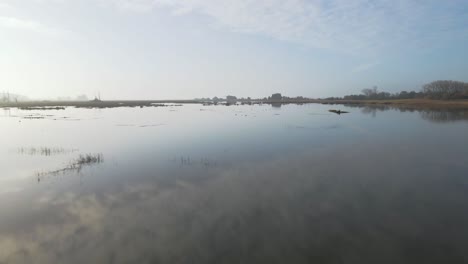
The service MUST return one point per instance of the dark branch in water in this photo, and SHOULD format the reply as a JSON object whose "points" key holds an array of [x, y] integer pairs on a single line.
{"points": [[339, 112]]}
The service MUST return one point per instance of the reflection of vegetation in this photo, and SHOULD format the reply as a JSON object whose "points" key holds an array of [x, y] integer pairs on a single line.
{"points": [[276, 105], [300, 208], [444, 116], [433, 115], [75, 165]]}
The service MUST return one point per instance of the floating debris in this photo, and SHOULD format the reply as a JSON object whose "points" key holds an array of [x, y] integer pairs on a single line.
{"points": [[339, 112]]}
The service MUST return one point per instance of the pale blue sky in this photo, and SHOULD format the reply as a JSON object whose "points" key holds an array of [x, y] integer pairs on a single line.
{"points": [[161, 49]]}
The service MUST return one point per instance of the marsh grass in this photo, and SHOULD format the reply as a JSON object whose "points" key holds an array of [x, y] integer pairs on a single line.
{"points": [[42, 108], [75, 165], [44, 151], [33, 117], [194, 162], [89, 159]]}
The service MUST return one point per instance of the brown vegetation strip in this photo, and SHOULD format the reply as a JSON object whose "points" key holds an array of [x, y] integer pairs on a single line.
{"points": [[407, 103]]}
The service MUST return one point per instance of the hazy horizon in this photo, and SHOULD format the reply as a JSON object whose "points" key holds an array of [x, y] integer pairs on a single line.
{"points": [[159, 49]]}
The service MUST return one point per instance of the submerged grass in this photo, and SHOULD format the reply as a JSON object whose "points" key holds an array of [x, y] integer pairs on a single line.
{"points": [[89, 159], [44, 151], [75, 165]]}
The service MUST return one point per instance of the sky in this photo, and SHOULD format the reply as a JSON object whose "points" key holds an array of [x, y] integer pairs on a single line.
{"points": [[182, 49]]}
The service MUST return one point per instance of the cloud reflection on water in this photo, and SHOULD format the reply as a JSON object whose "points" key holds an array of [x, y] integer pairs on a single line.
{"points": [[355, 204]]}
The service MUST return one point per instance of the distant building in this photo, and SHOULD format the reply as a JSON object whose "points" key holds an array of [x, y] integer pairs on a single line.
{"points": [[231, 99], [276, 97]]}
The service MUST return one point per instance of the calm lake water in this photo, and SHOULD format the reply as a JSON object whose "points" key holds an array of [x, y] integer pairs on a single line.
{"points": [[238, 184]]}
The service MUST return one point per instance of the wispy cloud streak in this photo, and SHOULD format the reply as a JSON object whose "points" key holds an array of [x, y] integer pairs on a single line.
{"points": [[350, 26], [28, 25]]}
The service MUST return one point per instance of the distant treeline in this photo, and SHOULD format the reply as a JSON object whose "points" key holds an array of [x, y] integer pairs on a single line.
{"points": [[446, 90], [439, 90], [9, 97]]}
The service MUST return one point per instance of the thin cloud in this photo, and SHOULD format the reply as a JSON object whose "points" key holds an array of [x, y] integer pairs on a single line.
{"points": [[358, 27], [28, 25], [132, 5], [344, 25]]}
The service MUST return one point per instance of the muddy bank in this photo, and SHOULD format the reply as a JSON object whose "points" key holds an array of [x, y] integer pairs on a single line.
{"points": [[403, 103], [47, 105]]}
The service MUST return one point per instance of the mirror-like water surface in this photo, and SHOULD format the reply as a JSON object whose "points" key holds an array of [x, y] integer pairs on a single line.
{"points": [[238, 184]]}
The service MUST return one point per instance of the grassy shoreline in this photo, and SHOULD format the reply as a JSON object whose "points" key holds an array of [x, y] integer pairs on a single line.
{"points": [[404, 103]]}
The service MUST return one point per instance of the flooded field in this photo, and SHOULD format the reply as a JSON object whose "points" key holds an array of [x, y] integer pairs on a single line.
{"points": [[233, 184]]}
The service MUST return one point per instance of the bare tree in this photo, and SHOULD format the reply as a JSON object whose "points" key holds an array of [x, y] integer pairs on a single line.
{"points": [[446, 89], [370, 92]]}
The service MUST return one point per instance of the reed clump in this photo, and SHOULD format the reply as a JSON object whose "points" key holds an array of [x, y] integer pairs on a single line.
{"points": [[75, 165]]}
